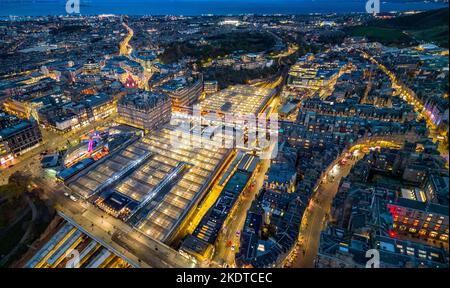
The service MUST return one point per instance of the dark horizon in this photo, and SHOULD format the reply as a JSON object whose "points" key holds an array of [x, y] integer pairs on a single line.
{"points": [[201, 7]]}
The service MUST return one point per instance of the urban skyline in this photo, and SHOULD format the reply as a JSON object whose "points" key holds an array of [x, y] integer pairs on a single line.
{"points": [[225, 141]]}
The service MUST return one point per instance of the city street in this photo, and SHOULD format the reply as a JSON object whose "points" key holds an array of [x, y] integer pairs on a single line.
{"points": [[316, 215], [125, 48], [224, 254], [318, 211], [401, 90]]}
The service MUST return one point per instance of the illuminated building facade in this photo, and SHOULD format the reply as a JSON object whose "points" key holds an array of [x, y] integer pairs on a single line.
{"points": [[17, 135], [17, 107], [184, 91], [427, 220], [436, 188], [210, 87], [91, 67], [144, 110]]}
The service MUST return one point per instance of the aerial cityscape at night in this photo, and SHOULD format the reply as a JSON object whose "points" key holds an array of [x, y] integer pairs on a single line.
{"points": [[224, 134]]}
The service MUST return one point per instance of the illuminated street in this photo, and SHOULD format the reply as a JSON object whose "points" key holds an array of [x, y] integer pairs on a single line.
{"points": [[408, 95], [231, 232], [316, 216], [318, 212], [125, 48]]}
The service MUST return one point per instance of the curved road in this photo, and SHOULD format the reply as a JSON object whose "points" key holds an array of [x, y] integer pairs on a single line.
{"points": [[125, 48], [409, 96], [315, 216]]}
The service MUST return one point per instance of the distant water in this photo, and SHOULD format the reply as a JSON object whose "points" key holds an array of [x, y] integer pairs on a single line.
{"points": [[199, 7]]}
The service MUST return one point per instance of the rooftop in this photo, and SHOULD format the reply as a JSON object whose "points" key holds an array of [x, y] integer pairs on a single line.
{"points": [[422, 206], [239, 99], [144, 100], [170, 208], [10, 125]]}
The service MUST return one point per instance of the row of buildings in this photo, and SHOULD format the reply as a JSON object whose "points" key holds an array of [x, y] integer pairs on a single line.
{"points": [[387, 203], [73, 106], [424, 69], [358, 104], [314, 72], [273, 220]]}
